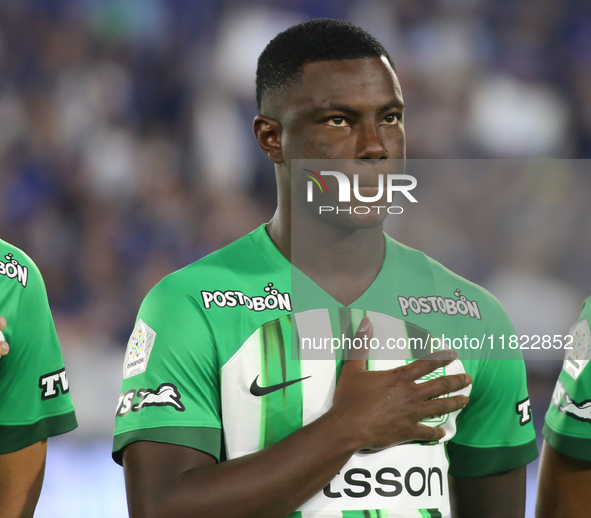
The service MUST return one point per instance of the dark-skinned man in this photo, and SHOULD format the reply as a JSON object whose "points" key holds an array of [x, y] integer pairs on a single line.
{"points": [[215, 418]]}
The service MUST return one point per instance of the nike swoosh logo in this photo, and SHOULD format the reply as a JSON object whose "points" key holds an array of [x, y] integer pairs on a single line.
{"points": [[257, 390]]}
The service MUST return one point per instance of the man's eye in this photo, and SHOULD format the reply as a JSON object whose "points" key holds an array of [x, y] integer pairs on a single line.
{"points": [[392, 119], [340, 122]]}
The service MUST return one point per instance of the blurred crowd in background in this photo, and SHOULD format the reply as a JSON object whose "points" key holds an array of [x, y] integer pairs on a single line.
{"points": [[126, 148]]}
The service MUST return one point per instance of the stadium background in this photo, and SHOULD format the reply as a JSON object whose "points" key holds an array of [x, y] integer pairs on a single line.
{"points": [[126, 153]]}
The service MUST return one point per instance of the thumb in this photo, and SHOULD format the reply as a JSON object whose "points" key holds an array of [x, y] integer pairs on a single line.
{"points": [[358, 356]]}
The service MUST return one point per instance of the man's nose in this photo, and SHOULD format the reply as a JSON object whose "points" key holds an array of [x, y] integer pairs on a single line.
{"points": [[370, 143]]}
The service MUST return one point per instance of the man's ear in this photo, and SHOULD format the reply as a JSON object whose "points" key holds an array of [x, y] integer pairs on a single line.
{"points": [[268, 134]]}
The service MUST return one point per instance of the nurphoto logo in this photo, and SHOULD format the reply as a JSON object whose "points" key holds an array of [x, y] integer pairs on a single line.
{"points": [[389, 184]]}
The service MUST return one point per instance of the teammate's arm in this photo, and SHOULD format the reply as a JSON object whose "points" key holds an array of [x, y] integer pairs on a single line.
{"points": [[563, 485], [21, 472], [495, 496], [21, 478], [371, 410]]}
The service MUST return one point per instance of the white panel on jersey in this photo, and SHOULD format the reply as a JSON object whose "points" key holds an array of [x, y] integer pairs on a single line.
{"points": [[241, 414], [389, 331], [318, 391], [322, 514], [402, 478]]}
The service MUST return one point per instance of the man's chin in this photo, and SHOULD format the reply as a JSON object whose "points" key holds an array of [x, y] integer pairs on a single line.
{"points": [[357, 221]]}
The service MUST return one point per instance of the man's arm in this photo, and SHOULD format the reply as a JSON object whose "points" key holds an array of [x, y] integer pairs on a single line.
{"points": [[170, 480], [21, 472], [495, 496], [371, 410], [564, 485], [21, 478]]}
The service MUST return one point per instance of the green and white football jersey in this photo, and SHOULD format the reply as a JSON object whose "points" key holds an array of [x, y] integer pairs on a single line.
{"points": [[35, 402], [568, 420], [211, 365]]}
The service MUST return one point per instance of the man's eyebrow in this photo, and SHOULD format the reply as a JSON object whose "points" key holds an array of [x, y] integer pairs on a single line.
{"points": [[337, 108], [396, 103]]}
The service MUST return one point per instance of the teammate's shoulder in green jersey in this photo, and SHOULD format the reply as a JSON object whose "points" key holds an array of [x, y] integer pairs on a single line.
{"points": [[586, 310], [16, 267], [567, 426], [35, 401]]}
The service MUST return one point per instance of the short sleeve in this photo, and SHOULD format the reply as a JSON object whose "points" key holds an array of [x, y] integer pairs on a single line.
{"points": [[170, 391], [35, 402], [567, 426], [495, 431]]}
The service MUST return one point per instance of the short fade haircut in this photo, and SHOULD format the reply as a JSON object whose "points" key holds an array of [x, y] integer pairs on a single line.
{"points": [[323, 39]]}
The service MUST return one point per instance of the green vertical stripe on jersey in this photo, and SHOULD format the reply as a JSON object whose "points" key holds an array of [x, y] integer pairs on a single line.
{"points": [[281, 409], [413, 331], [344, 322], [340, 321], [343, 319], [382, 513], [374, 513]]}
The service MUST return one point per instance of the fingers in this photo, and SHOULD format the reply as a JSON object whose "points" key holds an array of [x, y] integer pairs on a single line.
{"points": [[438, 407], [444, 405], [2, 323], [424, 433], [444, 385], [429, 363], [358, 357]]}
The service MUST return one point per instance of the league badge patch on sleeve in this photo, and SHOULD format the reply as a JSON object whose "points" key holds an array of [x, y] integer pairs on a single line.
{"points": [[576, 359], [138, 350]]}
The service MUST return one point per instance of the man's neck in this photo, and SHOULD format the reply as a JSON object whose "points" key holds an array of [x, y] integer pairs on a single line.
{"points": [[343, 261]]}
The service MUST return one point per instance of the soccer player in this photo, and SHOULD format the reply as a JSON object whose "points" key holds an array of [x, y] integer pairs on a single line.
{"points": [[565, 467], [35, 402], [216, 418]]}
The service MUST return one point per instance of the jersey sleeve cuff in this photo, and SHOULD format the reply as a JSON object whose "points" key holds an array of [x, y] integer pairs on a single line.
{"points": [[467, 461], [208, 440], [17, 437], [577, 447]]}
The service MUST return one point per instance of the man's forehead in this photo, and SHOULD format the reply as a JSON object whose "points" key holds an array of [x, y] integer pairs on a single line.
{"points": [[327, 82], [349, 66]]}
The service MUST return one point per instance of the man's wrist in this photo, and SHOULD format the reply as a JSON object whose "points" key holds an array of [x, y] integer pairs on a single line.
{"points": [[342, 431]]}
